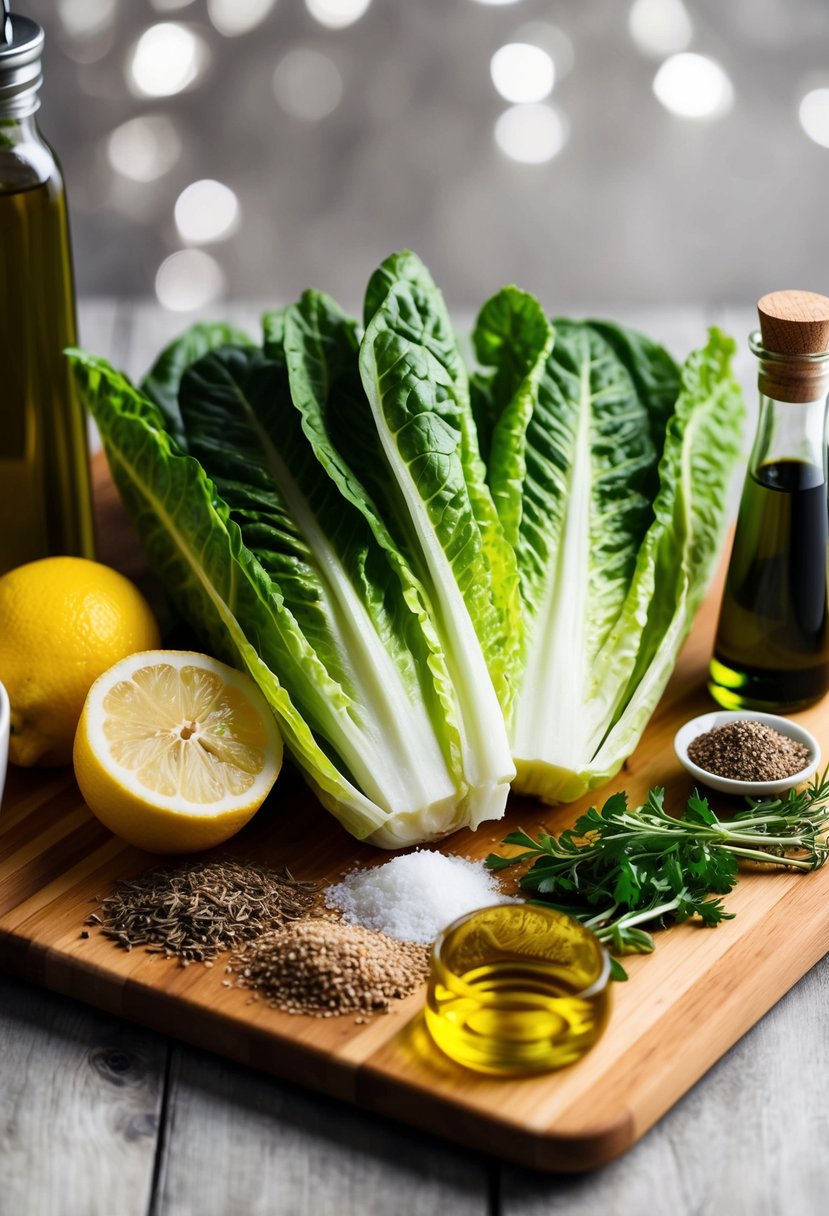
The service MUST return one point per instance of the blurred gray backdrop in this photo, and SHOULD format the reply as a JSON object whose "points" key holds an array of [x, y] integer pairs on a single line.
{"points": [[662, 151]]}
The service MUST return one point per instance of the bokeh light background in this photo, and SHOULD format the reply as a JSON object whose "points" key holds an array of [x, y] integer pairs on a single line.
{"points": [[597, 152]]}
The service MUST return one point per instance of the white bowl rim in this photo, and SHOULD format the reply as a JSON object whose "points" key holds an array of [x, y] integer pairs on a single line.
{"points": [[5, 726], [729, 785]]}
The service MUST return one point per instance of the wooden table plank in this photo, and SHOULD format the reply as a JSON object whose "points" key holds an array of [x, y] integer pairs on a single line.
{"points": [[239, 1143], [80, 1096]]}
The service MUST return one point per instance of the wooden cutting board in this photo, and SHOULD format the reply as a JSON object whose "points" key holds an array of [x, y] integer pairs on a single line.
{"points": [[683, 1007]]}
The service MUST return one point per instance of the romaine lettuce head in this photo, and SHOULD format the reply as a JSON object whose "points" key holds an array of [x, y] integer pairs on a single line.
{"points": [[274, 550], [613, 482], [434, 578]]}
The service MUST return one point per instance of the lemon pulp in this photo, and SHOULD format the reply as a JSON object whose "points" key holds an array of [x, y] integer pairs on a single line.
{"points": [[175, 751], [184, 732]]}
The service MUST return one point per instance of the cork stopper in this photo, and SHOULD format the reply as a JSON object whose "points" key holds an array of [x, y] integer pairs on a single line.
{"points": [[794, 326]]}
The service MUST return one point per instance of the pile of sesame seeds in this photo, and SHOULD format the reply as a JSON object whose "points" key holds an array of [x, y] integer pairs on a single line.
{"points": [[747, 750], [327, 968]]}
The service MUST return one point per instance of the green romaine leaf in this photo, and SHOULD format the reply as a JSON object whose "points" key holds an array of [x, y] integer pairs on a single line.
{"points": [[676, 561], [653, 371], [622, 508], [197, 551], [403, 267], [162, 381], [359, 661], [585, 510], [320, 349], [512, 340], [426, 474], [327, 390]]}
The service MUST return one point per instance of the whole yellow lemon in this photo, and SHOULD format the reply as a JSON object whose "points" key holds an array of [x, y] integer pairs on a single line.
{"points": [[63, 621]]}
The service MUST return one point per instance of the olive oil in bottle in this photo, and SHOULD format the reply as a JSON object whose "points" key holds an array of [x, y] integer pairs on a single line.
{"points": [[45, 503], [772, 646]]}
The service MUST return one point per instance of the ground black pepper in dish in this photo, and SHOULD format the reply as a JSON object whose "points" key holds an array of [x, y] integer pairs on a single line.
{"points": [[747, 750]]}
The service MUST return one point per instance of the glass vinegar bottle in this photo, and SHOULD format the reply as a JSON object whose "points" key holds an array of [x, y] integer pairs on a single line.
{"points": [[45, 504], [772, 645]]}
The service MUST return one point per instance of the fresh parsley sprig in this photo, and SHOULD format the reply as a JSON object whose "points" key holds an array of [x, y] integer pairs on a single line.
{"points": [[624, 867]]}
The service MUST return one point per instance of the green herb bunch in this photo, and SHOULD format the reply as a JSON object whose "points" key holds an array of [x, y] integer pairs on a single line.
{"points": [[621, 868]]}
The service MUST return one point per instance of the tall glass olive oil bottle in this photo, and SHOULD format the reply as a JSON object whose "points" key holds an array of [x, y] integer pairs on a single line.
{"points": [[772, 646], [45, 505]]}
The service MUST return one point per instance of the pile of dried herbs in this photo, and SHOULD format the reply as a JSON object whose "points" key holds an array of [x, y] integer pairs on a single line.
{"points": [[202, 908]]}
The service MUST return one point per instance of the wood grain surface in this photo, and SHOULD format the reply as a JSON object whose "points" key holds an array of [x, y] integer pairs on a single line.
{"points": [[55, 859], [97, 1086]]}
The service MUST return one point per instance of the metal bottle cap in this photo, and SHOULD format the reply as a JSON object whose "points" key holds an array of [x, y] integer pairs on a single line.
{"points": [[21, 47]]}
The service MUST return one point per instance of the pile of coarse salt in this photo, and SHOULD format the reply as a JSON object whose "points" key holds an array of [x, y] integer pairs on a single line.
{"points": [[414, 896]]}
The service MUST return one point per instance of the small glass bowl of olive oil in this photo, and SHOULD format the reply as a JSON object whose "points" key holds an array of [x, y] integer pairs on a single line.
{"points": [[517, 988]]}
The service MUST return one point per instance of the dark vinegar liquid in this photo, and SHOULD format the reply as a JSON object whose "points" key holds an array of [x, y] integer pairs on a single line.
{"points": [[772, 647]]}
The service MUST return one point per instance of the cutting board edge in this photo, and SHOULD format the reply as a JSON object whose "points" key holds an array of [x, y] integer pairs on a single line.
{"points": [[545, 1150], [303, 1064], [140, 1002]]}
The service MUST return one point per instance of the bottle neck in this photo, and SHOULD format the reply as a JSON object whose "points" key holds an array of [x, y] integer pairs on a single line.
{"points": [[18, 129], [791, 378], [20, 105], [793, 409], [26, 160], [790, 431]]}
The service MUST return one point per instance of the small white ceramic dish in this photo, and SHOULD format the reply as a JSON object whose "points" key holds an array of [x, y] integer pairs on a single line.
{"points": [[4, 737], [748, 789]]}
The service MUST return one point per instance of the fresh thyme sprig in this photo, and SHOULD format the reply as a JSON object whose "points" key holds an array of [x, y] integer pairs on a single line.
{"points": [[624, 867]]}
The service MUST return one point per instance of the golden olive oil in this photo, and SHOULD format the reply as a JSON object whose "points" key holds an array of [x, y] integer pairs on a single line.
{"points": [[44, 480], [517, 989]]}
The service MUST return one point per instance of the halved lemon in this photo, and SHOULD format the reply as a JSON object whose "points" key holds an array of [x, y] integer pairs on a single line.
{"points": [[175, 751]]}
